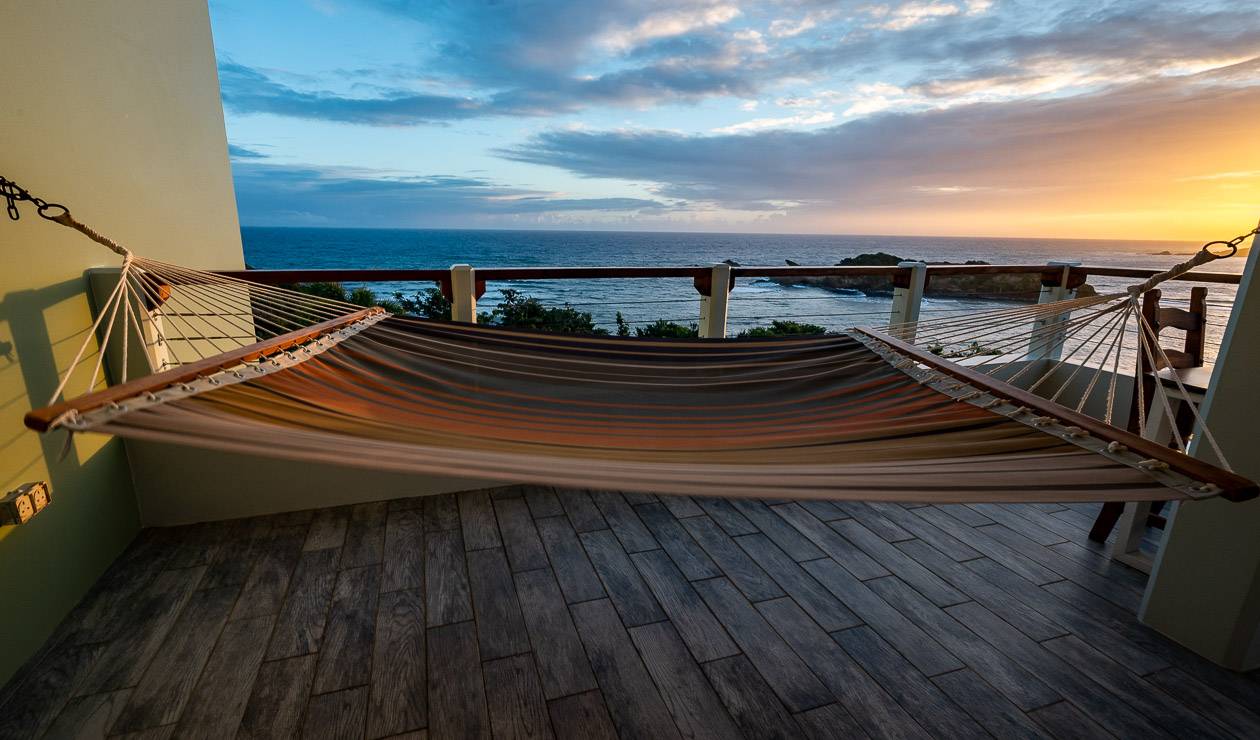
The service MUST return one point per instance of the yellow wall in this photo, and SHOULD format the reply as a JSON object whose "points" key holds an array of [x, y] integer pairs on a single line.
{"points": [[111, 108]]}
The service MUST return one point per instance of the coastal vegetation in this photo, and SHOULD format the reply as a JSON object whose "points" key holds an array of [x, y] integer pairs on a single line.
{"points": [[519, 311], [973, 349], [779, 328], [659, 329]]}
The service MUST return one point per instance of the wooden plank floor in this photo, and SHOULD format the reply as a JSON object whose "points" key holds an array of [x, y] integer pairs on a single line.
{"points": [[529, 612]]}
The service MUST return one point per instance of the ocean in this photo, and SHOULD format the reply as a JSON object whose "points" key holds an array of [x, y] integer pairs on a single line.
{"points": [[753, 302]]}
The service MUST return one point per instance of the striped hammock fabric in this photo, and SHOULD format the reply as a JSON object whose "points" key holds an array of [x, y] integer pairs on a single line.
{"points": [[845, 416], [874, 415]]}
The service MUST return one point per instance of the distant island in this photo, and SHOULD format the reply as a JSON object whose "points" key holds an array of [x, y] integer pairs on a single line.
{"points": [[1243, 251], [1022, 287]]}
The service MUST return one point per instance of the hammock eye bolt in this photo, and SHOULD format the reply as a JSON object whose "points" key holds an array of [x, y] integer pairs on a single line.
{"points": [[1231, 245], [52, 211]]}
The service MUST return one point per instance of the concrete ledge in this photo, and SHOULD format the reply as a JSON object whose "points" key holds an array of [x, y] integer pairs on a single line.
{"points": [[175, 484]]}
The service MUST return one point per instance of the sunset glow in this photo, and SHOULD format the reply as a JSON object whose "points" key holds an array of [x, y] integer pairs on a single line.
{"points": [[948, 117]]}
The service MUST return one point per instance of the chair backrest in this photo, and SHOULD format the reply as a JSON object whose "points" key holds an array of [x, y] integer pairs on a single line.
{"points": [[1192, 320]]}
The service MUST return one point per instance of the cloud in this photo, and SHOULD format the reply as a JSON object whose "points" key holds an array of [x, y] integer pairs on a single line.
{"points": [[1068, 48], [1123, 144], [796, 121], [784, 28], [945, 189], [911, 14], [240, 152], [553, 57], [1231, 175], [287, 195], [667, 24], [247, 90]]}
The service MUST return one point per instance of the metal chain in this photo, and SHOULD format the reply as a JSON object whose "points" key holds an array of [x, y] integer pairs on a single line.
{"points": [[14, 193], [55, 212], [1233, 244], [1201, 257]]}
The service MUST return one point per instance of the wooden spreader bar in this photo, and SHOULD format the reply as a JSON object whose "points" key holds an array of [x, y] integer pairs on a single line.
{"points": [[41, 420], [1233, 487]]}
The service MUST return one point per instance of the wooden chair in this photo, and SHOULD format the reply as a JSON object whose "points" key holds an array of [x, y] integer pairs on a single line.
{"points": [[1185, 364]]}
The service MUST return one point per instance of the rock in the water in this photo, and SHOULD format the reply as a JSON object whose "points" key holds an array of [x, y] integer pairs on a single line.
{"points": [[1018, 287]]}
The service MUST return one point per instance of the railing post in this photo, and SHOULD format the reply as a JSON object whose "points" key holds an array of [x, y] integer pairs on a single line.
{"points": [[1046, 343], [713, 303], [908, 289], [463, 294]]}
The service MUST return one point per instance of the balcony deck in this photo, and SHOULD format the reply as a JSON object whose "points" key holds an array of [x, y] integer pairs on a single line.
{"points": [[527, 612]]}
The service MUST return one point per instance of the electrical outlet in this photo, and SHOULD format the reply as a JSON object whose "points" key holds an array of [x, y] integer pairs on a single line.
{"points": [[21, 504], [16, 508], [38, 493]]}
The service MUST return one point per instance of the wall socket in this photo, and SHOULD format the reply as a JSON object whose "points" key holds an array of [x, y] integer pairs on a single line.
{"points": [[24, 502]]}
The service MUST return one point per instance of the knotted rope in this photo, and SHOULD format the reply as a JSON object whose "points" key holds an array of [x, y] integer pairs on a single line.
{"points": [[55, 212], [1202, 257]]}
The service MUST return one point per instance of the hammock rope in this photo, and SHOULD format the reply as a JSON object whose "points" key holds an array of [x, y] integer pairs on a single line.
{"points": [[941, 408]]}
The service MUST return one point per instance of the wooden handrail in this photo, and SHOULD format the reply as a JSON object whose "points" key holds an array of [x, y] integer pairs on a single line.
{"points": [[41, 419], [284, 277], [1136, 272], [1233, 487], [289, 277]]}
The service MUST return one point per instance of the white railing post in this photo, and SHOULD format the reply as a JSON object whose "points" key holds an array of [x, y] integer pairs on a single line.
{"points": [[1047, 344], [714, 305], [908, 297], [463, 294]]}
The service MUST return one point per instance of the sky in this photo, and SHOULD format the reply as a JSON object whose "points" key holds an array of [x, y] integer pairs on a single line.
{"points": [[1052, 118]]}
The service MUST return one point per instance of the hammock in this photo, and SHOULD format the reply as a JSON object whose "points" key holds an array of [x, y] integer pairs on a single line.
{"points": [[966, 409]]}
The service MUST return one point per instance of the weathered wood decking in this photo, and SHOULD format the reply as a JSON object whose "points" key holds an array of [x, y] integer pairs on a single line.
{"points": [[526, 612]]}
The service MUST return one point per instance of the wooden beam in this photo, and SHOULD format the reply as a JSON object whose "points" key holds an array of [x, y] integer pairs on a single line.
{"points": [[1133, 272], [1078, 274], [1233, 487], [289, 277], [41, 419]]}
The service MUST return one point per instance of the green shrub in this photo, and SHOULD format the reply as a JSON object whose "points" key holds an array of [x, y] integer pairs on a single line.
{"points": [[427, 304], [623, 329], [783, 329], [332, 291], [662, 329], [975, 349], [521, 312], [361, 296]]}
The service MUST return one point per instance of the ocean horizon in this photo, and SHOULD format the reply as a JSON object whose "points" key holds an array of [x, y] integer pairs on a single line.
{"points": [[753, 302]]}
